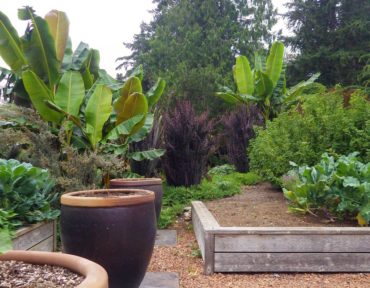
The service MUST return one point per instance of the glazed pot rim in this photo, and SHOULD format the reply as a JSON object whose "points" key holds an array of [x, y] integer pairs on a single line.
{"points": [[135, 182], [141, 196], [95, 275]]}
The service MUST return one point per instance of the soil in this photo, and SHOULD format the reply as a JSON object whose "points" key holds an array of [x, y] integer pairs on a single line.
{"points": [[184, 259], [263, 205], [21, 275]]}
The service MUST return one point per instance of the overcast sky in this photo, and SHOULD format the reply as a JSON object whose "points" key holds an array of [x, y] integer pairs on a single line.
{"points": [[104, 25]]}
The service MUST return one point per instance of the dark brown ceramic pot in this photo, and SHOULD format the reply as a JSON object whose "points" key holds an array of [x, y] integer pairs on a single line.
{"points": [[115, 228], [152, 184]]}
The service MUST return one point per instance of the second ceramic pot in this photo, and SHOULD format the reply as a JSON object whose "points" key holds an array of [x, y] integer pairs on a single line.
{"points": [[152, 184], [115, 228]]}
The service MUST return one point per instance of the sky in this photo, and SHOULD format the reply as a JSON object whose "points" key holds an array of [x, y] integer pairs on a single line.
{"points": [[104, 25]]}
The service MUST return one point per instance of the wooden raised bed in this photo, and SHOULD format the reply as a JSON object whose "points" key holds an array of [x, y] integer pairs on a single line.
{"points": [[36, 237], [279, 249]]}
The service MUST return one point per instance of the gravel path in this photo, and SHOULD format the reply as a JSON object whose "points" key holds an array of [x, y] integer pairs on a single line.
{"points": [[184, 259]]}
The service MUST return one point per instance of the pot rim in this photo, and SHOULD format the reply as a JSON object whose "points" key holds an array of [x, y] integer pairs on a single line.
{"points": [[95, 275], [72, 198], [121, 182]]}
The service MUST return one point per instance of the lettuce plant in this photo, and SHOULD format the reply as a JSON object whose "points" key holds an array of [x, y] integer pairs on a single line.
{"points": [[339, 188]]}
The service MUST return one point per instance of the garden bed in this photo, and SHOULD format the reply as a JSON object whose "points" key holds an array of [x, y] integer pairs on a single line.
{"points": [[272, 243], [36, 237]]}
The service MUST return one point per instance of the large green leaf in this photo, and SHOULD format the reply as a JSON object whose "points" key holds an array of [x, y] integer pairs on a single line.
{"points": [[59, 28], [125, 128], [70, 93], [10, 45], [264, 85], [97, 112], [5, 240], [136, 104], [80, 56], [146, 155], [40, 49], [39, 94], [131, 86], [274, 63], [156, 92], [229, 97], [243, 76]]}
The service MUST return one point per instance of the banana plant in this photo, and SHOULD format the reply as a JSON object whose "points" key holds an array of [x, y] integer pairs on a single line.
{"points": [[265, 85]]}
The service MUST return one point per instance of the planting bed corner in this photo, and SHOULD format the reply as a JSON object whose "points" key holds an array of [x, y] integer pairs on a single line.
{"points": [[279, 249], [36, 237]]}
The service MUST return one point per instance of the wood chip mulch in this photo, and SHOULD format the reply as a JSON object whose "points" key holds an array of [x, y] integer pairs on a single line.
{"points": [[184, 259], [15, 274]]}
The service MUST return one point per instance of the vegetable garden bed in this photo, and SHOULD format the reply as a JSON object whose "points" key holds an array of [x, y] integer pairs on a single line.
{"points": [[279, 249], [37, 237]]}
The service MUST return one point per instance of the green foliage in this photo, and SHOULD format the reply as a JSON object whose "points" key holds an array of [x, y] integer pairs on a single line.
{"points": [[5, 240], [221, 170], [329, 37], [336, 122], [265, 85], [340, 188], [219, 186], [192, 45], [25, 194]]}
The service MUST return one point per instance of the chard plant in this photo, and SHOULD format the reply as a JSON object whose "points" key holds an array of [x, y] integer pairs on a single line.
{"points": [[337, 188]]}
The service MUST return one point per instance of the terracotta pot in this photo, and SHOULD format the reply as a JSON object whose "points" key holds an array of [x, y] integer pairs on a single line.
{"points": [[95, 275], [152, 184], [115, 228]]}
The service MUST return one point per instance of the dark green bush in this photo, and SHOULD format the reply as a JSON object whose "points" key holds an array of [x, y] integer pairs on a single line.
{"points": [[337, 122]]}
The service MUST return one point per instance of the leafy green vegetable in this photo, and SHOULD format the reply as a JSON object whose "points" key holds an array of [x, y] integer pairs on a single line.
{"points": [[339, 188], [25, 195]]}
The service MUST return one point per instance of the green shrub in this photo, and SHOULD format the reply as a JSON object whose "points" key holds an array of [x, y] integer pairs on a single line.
{"points": [[221, 170], [219, 186], [329, 122], [25, 194], [337, 188]]}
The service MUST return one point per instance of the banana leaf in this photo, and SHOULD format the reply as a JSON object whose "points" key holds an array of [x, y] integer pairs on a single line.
{"points": [[80, 56], [243, 76], [39, 93], [229, 97], [155, 93], [70, 93], [59, 29], [125, 128], [274, 63], [10, 45], [40, 48], [138, 72], [264, 85], [136, 104], [131, 86], [146, 155], [97, 112]]}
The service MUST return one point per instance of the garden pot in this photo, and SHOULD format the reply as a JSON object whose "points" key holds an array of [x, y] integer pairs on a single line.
{"points": [[95, 275], [152, 184], [114, 227]]}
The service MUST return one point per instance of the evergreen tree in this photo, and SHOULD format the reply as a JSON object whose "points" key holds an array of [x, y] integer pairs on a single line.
{"points": [[330, 37], [192, 44]]}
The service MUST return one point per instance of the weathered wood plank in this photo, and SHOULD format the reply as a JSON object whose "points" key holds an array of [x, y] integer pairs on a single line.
{"points": [[30, 237], [203, 224], [46, 245], [292, 230], [292, 243], [292, 262]]}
